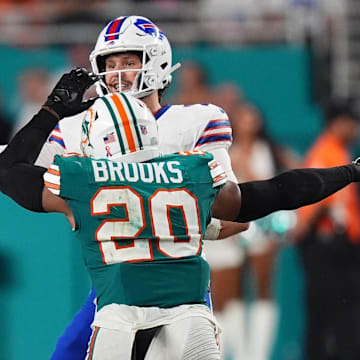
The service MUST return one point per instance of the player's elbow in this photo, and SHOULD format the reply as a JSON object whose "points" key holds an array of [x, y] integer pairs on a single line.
{"points": [[228, 202]]}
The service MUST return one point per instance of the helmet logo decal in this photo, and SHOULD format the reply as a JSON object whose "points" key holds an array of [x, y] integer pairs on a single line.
{"points": [[113, 29], [149, 28], [87, 125]]}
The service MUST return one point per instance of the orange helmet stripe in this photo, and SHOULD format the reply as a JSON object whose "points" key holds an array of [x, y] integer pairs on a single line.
{"points": [[125, 121]]}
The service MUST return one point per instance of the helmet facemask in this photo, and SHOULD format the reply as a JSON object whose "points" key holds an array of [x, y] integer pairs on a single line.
{"points": [[134, 90]]}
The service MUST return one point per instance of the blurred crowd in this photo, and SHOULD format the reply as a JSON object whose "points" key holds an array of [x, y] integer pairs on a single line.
{"points": [[240, 21]]}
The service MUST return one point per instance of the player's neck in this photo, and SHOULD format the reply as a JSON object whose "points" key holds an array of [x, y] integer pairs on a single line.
{"points": [[152, 101]]}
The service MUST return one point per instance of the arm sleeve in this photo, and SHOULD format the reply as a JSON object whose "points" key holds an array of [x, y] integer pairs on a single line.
{"points": [[24, 184], [293, 189], [19, 178], [27, 143]]}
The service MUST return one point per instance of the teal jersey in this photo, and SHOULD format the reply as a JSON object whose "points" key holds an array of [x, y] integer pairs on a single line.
{"points": [[141, 224]]}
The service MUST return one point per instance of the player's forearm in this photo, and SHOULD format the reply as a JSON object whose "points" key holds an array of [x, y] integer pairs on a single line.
{"points": [[19, 178], [66, 99], [230, 228], [24, 184], [293, 189], [27, 143]]}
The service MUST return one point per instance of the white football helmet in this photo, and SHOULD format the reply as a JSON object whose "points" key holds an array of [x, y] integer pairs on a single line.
{"points": [[120, 127], [135, 33]]}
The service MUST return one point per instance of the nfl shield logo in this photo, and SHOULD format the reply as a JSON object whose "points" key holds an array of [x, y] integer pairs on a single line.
{"points": [[143, 129]]}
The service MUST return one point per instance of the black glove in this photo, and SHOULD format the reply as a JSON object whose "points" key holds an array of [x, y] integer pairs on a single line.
{"points": [[66, 99]]}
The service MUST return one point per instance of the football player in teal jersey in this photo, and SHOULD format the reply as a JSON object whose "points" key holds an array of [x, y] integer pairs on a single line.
{"points": [[141, 223], [141, 226], [133, 55]]}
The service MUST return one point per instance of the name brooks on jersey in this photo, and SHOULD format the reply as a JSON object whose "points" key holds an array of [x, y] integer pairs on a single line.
{"points": [[158, 172]]}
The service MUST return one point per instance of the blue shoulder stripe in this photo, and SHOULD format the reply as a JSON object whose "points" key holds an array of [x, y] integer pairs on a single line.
{"points": [[217, 123], [58, 140], [214, 138], [161, 111]]}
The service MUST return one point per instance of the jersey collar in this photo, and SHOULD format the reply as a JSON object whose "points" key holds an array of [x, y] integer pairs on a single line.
{"points": [[164, 108]]}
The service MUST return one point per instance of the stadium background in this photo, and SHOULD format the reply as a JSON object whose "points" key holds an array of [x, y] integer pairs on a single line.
{"points": [[290, 72]]}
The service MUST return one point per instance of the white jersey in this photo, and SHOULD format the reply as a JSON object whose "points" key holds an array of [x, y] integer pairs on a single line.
{"points": [[190, 127], [181, 127], [64, 139]]}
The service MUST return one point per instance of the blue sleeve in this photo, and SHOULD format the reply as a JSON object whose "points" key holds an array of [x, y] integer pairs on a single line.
{"points": [[73, 343]]}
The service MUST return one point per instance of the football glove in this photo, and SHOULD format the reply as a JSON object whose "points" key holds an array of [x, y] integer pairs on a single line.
{"points": [[66, 99]]}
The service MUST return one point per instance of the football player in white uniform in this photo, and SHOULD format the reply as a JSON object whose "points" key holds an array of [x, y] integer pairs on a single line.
{"points": [[133, 55]]}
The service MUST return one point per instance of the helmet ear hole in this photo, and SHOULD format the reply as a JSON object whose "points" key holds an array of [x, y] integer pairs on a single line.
{"points": [[164, 65], [101, 63]]}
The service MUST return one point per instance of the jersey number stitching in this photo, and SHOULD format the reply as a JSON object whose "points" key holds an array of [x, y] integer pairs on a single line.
{"points": [[111, 231]]}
